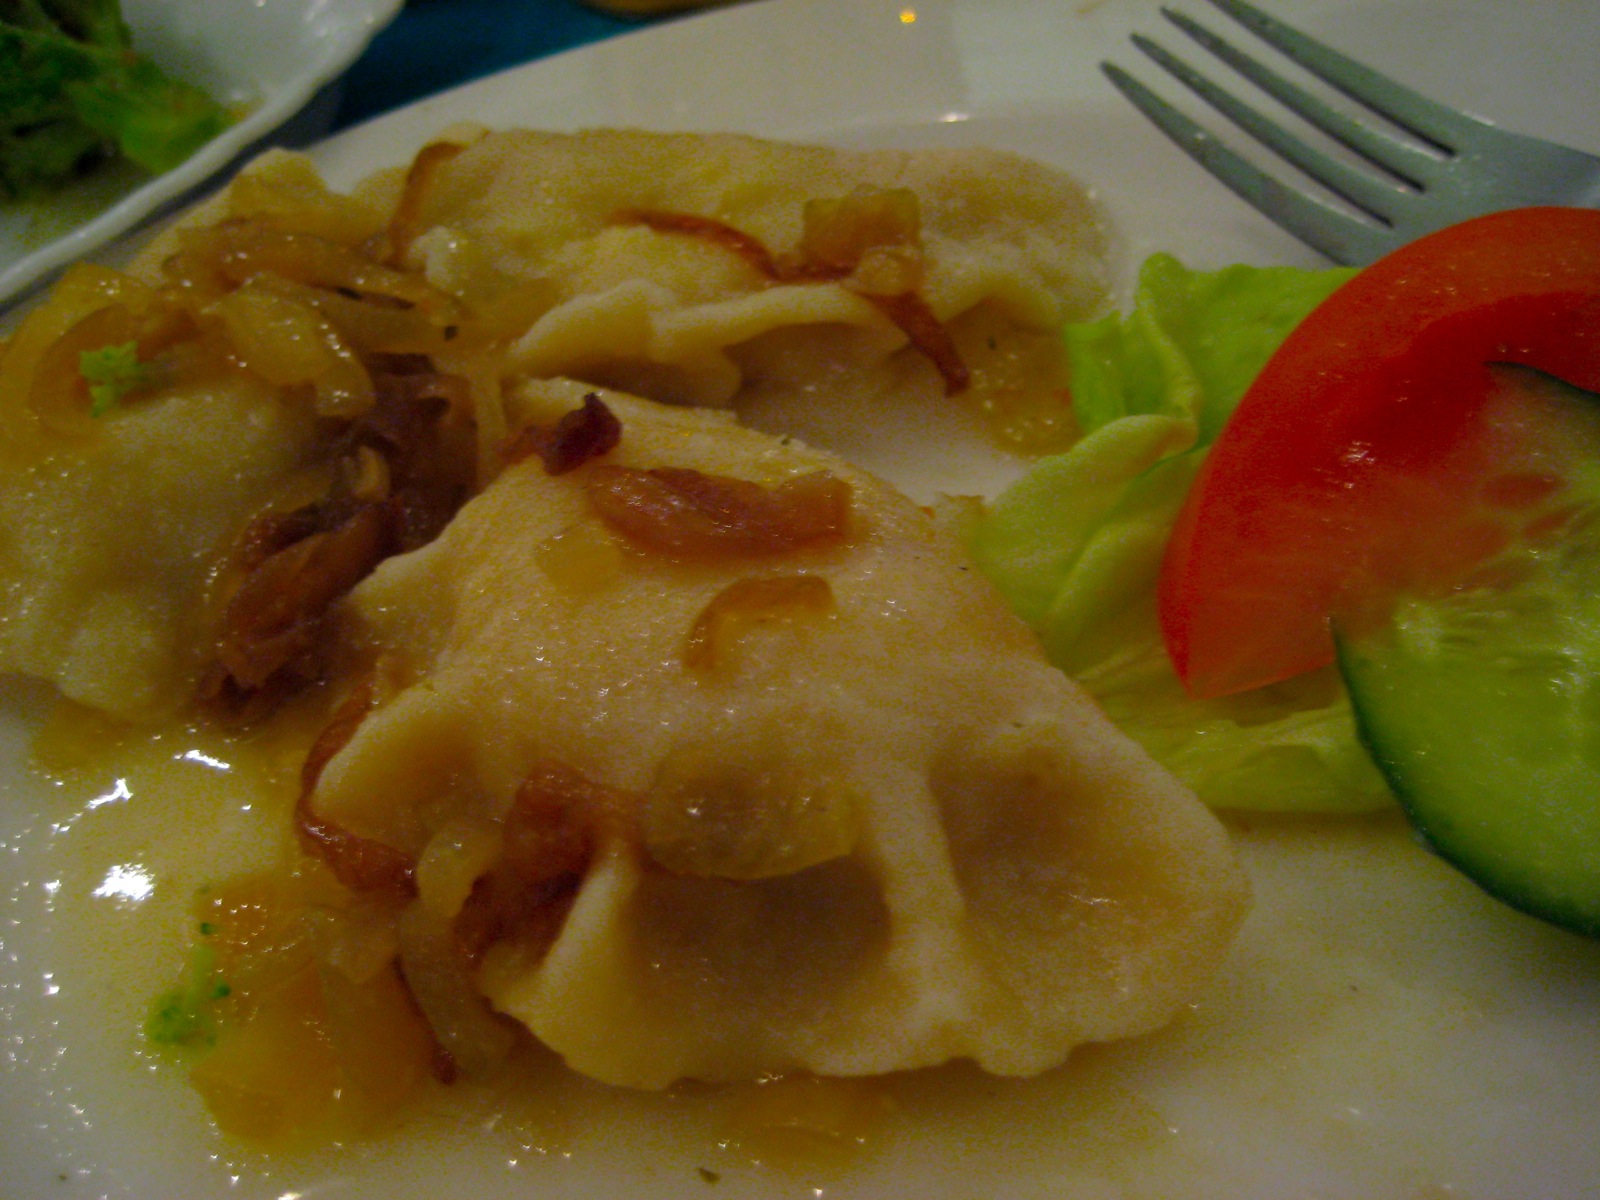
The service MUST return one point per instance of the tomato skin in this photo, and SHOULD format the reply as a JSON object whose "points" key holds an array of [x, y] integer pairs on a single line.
{"points": [[1309, 500]]}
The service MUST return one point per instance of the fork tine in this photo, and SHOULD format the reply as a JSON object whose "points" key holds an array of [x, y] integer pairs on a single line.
{"points": [[1361, 188], [1338, 235], [1410, 110], [1408, 163]]}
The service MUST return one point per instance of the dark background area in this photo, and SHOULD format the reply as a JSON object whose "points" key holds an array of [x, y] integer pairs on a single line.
{"points": [[436, 44]]}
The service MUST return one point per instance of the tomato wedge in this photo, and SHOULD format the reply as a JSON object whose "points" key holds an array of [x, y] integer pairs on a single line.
{"points": [[1361, 461]]}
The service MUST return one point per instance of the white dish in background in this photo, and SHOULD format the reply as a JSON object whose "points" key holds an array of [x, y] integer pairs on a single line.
{"points": [[266, 57], [1382, 1031]]}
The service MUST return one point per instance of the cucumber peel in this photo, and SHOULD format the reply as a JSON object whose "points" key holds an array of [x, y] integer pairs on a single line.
{"points": [[1481, 705]]}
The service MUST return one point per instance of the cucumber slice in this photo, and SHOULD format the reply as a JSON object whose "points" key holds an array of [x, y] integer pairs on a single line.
{"points": [[1481, 706]]}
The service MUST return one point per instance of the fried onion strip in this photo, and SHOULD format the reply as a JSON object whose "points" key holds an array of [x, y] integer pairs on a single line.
{"points": [[362, 864], [686, 513], [580, 435], [913, 317], [407, 225], [551, 834], [838, 249]]}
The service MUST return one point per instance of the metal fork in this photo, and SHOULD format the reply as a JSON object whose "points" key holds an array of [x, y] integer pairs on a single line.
{"points": [[1450, 167]]}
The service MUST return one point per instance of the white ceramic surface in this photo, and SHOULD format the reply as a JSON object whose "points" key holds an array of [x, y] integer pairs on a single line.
{"points": [[1382, 1031], [268, 56]]}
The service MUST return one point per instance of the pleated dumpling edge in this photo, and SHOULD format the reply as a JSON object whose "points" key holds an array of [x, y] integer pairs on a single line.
{"points": [[810, 804]]}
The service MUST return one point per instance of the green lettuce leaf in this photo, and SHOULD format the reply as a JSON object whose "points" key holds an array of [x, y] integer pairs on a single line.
{"points": [[155, 120], [1193, 342], [98, 22], [1076, 543], [72, 92], [1291, 747]]}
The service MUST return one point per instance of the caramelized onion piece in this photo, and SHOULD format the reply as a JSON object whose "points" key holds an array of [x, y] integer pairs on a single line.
{"points": [[42, 389], [273, 619], [400, 476], [286, 343], [684, 513], [362, 864], [706, 229], [581, 434], [406, 225], [748, 602], [550, 835], [927, 334], [372, 325], [547, 833], [367, 304], [869, 240], [59, 395], [422, 427], [234, 252]]}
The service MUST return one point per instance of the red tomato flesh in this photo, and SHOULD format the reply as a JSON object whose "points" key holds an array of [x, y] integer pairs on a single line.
{"points": [[1363, 459]]}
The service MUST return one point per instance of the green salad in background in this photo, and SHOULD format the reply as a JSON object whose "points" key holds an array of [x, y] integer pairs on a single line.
{"points": [[1076, 544], [74, 93]]}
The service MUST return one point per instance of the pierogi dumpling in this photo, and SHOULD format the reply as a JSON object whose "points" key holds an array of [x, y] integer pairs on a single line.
{"points": [[663, 253], [825, 804]]}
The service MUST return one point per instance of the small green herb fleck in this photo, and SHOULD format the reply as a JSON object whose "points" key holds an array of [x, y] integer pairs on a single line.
{"points": [[184, 1016], [111, 373]]}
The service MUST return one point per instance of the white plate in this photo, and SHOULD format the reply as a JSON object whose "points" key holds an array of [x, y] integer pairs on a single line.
{"points": [[1382, 1032], [267, 56]]}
